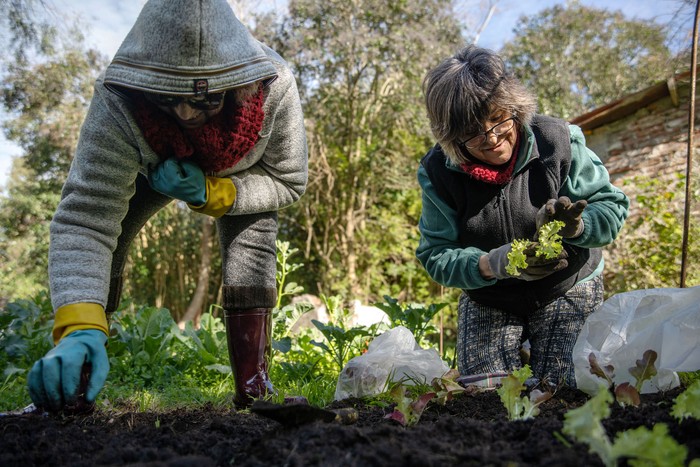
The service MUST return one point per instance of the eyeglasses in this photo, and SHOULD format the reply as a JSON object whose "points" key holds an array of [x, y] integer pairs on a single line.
{"points": [[498, 130], [208, 102]]}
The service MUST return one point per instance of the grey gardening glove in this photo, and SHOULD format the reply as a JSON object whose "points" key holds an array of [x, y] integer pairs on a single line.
{"points": [[563, 210], [537, 267]]}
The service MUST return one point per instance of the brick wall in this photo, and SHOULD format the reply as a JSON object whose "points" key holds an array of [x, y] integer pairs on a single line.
{"points": [[652, 141]]}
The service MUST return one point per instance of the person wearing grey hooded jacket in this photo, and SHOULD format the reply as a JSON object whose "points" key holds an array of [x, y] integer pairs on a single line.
{"points": [[192, 108]]}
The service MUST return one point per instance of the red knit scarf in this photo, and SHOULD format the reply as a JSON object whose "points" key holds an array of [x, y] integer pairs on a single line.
{"points": [[494, 174], [217, 145]]}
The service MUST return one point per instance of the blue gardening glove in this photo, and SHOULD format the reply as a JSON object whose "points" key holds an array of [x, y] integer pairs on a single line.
{"points": [[537, 267], [182, 180], [54, 380], [563, 210]]}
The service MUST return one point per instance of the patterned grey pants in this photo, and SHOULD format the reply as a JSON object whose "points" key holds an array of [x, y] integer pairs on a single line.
{"points": [[489, 339], [248, 250]]}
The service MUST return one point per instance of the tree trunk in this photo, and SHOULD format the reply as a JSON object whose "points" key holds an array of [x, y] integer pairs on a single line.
{"points": [[194, 310]]}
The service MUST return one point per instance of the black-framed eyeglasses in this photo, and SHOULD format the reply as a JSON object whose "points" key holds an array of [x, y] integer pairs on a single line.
{"points": [[498, 129], [210, 101]]}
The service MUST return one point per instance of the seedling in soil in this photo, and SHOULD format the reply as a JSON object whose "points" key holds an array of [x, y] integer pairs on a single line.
{"points": [[548, 246], [687, 404], [625, 393], [408, 410], [520, 407], [640, 446]]}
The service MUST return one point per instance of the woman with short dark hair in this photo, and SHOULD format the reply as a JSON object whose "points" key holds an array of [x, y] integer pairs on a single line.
{"points": [[497, 174]]}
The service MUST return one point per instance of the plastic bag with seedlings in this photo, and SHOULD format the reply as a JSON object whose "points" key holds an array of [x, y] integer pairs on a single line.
{"points": [[392, 356], [630, 323]]}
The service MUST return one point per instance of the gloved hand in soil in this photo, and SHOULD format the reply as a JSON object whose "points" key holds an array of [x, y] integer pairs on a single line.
{"points": [[537, 267], [54, 380], [563, 210]]}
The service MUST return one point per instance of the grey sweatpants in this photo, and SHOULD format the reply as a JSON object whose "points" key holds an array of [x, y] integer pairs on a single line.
{"points": [[489, 339], [248, 251]]}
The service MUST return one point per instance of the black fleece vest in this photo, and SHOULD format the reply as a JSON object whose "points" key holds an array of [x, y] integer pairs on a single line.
{"points": [[493, 215]]}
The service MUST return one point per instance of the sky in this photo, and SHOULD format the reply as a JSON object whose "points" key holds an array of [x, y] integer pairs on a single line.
{"points": [[108, 21]]}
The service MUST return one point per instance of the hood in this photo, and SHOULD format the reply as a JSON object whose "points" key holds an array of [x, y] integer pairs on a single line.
{"points": [[188, 47]]}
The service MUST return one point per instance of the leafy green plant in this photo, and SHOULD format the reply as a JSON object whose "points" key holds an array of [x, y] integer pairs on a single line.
{"points": [[548, 246], [340, 341], [687, 404], [141, 348], [640, 445], [625, 393], [208, 343], [25, 333], [520, 407], [416, 318]]}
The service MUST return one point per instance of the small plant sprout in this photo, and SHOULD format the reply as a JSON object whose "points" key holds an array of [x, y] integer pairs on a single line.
{"points": [[447, 387], [625, 393], [644, 369], [548, 246], [408, 409], [520, 407], [640, 446], [687, 404]]}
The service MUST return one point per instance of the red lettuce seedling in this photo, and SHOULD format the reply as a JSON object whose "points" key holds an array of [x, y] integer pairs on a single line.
{"points": [[687, 404], [408, 410], [644, 368], [606, 372], [625, 393], [520, 407]]}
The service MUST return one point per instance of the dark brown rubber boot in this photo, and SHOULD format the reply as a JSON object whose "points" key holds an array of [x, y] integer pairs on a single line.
{"points": [[249, 334]]}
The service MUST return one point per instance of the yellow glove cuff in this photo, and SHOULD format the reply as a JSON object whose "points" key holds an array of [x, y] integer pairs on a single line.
{"points": [[78, 316], [221, 193]]}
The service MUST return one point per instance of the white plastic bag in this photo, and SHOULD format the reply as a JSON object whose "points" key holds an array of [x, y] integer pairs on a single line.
{"points": [[627, 324], [394, 355]]}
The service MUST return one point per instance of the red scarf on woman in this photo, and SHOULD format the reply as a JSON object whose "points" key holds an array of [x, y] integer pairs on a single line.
{"points": [[494, 174], [217, 145]]}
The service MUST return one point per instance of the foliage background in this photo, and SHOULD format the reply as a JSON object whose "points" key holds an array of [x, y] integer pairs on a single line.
{"points": [[359, 67]]}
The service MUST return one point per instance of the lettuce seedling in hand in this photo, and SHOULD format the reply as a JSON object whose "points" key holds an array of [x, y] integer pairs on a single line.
{"points": [[548, 246], [549, 239]]}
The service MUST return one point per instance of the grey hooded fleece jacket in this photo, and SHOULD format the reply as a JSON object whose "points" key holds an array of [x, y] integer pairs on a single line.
{"points": [[181, 47]]}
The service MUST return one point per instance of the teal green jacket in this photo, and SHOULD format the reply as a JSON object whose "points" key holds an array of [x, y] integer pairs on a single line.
{"points": [[455, 265]]}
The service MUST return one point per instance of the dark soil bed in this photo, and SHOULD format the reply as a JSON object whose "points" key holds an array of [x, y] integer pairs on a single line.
{"points": [[470, 430]]}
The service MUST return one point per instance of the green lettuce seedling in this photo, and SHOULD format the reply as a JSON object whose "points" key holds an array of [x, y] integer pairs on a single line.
{"points": [[687, 404], [520, 407], [640, 446], [548, 246]]}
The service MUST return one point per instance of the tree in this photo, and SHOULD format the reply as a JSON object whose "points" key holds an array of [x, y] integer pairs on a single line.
{"points": [[46, 99], [575, 58], [360, 64]]}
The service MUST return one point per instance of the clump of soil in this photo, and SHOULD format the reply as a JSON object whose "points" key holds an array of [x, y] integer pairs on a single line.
{"points": [[470, 430]]}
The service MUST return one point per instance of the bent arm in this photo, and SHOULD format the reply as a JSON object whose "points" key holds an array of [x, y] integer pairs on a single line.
{"points": [[588, 179], [279, 178], [439, 251]]}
